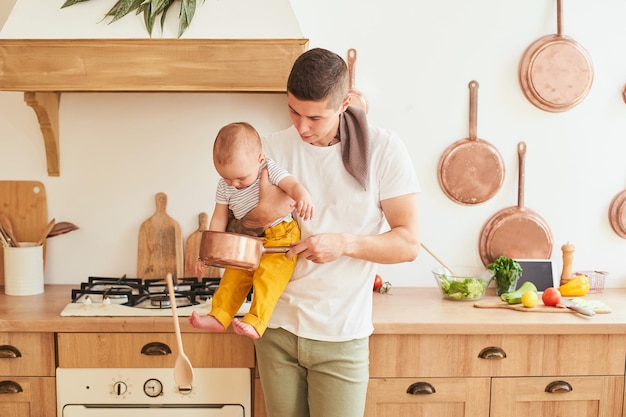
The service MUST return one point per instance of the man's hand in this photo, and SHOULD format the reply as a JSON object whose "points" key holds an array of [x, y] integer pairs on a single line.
{"points": [[273, 204]]}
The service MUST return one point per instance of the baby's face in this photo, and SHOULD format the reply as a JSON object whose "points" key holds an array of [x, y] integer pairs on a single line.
{"points": [[242, 171]]}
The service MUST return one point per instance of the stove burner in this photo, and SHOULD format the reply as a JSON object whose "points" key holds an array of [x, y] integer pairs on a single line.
{"points": [[148, 293]]}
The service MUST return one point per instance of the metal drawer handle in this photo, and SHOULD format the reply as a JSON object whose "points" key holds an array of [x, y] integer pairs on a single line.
{"points": [[156, 349], [9, 352], [10, 387], [492, 352], [420, 388], [556, 387]]}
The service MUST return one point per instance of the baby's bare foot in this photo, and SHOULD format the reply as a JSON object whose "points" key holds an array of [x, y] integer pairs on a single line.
{"points": [[244, 329], [209, 323]]}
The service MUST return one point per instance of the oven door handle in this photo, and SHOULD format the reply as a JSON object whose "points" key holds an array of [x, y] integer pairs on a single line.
{"points": [[156, 349]]}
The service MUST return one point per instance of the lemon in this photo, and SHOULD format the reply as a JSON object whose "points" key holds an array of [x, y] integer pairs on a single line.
{"points": [[530, 299]]}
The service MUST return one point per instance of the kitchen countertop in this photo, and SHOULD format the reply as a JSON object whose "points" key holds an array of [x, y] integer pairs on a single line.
{"points": [[408, 310]]}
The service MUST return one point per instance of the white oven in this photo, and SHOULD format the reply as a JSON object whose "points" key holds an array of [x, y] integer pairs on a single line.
{"points": [[152, 392]]}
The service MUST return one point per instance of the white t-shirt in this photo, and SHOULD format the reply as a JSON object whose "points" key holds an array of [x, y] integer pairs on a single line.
{"points": [[333, 301]]}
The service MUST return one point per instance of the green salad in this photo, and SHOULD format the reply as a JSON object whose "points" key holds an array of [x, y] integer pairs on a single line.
{"points": [[466, 289]]}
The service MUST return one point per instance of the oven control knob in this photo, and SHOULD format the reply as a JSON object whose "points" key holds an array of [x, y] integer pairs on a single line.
{"points": [[120, 388], [153, 388]]}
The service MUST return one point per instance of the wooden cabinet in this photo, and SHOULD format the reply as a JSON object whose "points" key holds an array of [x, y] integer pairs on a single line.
{"points": [[497, 375], [152, 350], [572, 396], [27, 384]]}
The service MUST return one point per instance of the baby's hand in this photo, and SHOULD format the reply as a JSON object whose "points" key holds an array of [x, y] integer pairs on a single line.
{"points": [[304, 209], [199, 268]]}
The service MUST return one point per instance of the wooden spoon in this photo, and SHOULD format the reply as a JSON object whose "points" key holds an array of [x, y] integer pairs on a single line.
{"points": [[438, 260], [62, 228], [183, 371], [45, 233], [5, 222]]}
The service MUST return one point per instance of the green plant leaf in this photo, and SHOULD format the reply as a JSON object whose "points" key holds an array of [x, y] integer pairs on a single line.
{"points": [[187, 10], [151, 9], [71, 2], [122, 8]]}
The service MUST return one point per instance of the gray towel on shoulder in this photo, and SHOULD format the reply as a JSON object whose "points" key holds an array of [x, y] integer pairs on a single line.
{"points": [[355, 143]]}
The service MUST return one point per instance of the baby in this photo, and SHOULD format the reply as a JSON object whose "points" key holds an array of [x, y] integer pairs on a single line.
{"points": [[238, 158]]}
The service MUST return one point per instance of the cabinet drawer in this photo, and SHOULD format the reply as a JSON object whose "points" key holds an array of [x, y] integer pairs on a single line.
{"points": [[454, 397], [27, 354], [158, 350], [27, 397], [496, 355], [585, 396]]}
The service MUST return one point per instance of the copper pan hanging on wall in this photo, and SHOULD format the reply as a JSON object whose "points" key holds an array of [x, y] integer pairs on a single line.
{"points": [[517, 232], [617, 214], [555, 72], [357, 98], [471, 170]]}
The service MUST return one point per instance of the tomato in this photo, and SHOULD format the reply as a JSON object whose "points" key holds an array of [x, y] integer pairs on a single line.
{"points": [[378, 282], [551, 297]]}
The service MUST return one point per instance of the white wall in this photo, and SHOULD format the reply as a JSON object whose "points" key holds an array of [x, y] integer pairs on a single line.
{"points": [[415, 60]]}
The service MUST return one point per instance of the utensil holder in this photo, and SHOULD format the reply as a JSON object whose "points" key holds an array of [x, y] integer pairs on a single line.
{"points": [[23, 269]]}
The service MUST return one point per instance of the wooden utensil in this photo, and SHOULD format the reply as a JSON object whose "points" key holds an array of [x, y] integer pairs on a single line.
{"points": [[25, 204], [62, 228], [192, 251], [160, 248], [7, 228], [555, 72], [357, 98], [45, 233], [536, 309], [183, 371], [438, 260], [471, 170], [517, 232]]}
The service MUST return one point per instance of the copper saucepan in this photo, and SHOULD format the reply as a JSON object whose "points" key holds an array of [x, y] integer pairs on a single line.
{"points": [[555, 72], [471, 170], [233, 250], [517, 231]]}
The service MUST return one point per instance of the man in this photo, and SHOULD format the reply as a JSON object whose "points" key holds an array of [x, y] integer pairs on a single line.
{"points": [[314, 357]]}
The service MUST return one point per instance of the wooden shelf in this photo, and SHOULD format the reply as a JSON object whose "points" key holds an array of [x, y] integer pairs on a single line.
{"points": [[45, 68]]}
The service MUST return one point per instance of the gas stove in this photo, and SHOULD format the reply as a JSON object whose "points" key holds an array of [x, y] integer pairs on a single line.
{"points": [[129, 297]]}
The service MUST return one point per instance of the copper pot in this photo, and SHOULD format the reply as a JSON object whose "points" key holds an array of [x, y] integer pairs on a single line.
{"points": [[617, 214], [232, 250], [517, 231], [555, 72], [471, 170]]}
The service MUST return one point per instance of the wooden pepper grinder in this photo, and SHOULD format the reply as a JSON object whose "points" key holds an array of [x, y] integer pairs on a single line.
{"points": [[568, 258]]}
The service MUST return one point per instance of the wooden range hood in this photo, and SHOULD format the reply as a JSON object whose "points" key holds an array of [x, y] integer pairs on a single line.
{"points": [[45, 68]]}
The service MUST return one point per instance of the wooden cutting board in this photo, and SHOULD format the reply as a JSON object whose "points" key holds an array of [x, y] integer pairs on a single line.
{"points": [[160, 244], [25, 204], [192, 250], [600, 308]]}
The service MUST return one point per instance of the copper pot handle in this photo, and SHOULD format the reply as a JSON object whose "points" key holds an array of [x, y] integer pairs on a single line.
{"points": [[473, 109]]}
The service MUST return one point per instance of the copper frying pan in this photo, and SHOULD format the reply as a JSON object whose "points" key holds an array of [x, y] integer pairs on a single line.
{"points": [[357, 98], [233, 250], [471, 170], [555, 72], [617, 214], [516, 232]]}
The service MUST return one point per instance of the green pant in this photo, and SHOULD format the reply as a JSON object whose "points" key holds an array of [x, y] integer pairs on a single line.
{"points": [[311, 378]]}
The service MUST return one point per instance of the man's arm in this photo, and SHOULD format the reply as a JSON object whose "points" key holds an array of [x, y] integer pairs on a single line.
{"points": [[273, 204], [400, 244]]}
